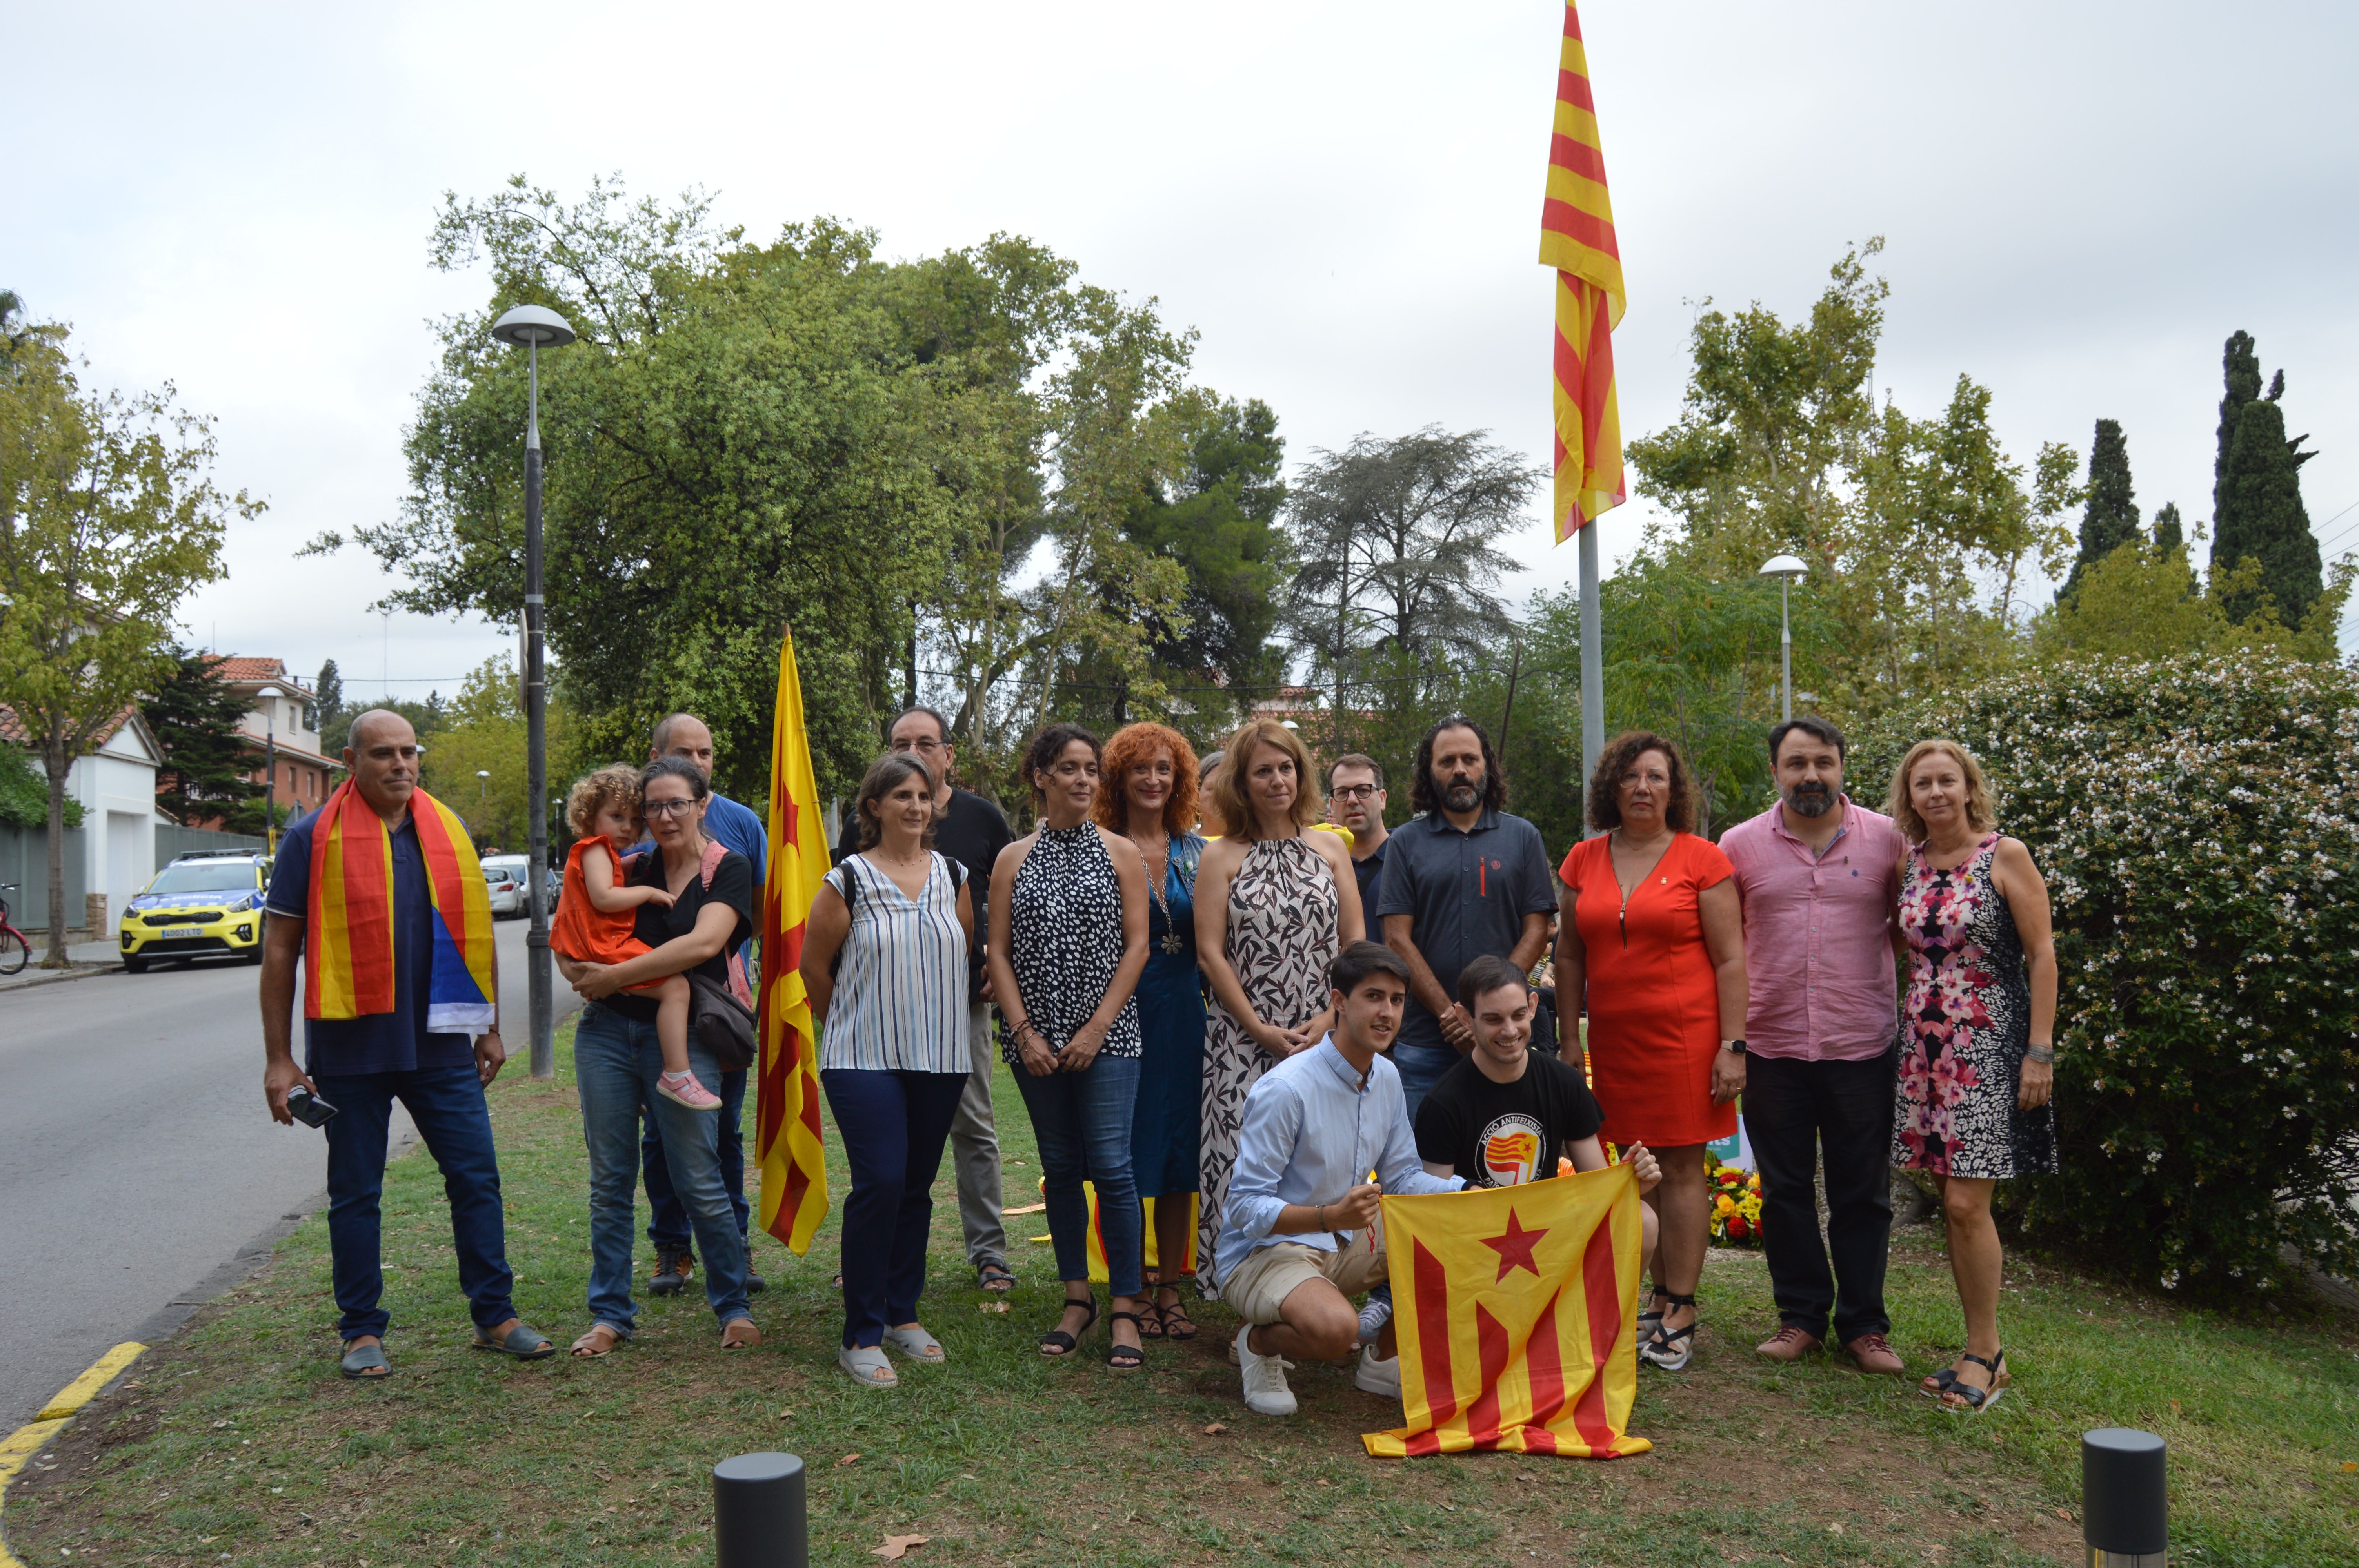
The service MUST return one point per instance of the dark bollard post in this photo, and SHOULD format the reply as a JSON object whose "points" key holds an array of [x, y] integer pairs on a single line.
{"points": [[2124, 1509], [757, 1512]]}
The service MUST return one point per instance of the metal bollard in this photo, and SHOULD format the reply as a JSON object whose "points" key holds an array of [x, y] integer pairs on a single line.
{"points": [[757, 1512], [2125, 1508]]}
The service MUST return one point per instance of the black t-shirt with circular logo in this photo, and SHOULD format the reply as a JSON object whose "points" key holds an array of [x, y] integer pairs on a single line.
{"points": [[1502, 1135]]}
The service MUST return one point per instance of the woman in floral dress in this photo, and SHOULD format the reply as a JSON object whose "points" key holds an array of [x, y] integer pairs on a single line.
{"points": [[1274, 902], [1978, 1032]]}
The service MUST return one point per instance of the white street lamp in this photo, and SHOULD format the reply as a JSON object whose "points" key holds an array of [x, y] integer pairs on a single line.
{"points": [[529, 327], [268, 696], [1785, 569]]}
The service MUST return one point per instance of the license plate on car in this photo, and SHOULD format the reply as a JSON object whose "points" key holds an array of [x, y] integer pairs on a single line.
{"points": [[182, 931]]}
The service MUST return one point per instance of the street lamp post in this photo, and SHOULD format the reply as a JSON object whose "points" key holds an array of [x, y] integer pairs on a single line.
{"points": [[1785, 569], [268, 695], [528, 327]]}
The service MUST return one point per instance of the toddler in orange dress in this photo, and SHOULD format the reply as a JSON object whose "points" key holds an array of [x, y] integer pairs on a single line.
{"points": [[596, 916]]}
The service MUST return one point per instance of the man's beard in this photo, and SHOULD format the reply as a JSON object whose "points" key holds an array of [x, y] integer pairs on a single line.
{"points": [[1810, 799], [1461, 796]]}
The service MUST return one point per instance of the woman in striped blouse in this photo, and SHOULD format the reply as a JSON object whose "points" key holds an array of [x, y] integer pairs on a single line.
{"points": [[884, 963]]}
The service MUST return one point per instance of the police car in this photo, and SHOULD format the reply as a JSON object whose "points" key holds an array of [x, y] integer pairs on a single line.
{"points": [[207, 901]]}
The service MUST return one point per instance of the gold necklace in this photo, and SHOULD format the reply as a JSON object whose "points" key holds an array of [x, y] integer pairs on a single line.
{"points": [[1171, 943]]}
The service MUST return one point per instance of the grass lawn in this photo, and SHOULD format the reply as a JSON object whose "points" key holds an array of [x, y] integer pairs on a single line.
{"points": [[238, 1443]]}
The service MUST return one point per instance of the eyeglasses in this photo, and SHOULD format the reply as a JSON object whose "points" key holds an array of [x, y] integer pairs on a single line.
{"points": [[927, 743], [1356, 792], [668, 807]]}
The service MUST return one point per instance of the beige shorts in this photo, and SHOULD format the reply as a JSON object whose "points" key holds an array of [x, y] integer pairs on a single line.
{"points": [[1257, 1288]]}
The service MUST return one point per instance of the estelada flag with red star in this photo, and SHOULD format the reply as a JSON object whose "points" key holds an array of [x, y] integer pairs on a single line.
{"points": [[785, 1117], [1514, 1307]]}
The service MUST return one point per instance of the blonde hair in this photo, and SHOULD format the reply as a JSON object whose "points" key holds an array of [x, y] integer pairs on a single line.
{"points": [[1230, 806], [1980, 813], [617, 784]]}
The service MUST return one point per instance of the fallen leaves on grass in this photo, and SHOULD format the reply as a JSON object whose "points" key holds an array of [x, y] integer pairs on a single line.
{"points": [[895, 1547], [991, 1306], [848, 1459], [1216, 1429], [2350, 1467]]}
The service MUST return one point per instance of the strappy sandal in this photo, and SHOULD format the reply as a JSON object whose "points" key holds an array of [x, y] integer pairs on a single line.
{"points": [[1671, 1348], [1056, 1342], [1122, 1357], [1937, 1384], [1150, 1320], [994, 1277], [915, 1344], [1963, 1398], [1176, 1325], [868, 1368], [1650, 1317]]}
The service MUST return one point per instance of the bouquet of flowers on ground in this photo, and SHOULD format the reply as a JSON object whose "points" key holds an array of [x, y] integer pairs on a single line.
{"points": [[1735, 1204]]}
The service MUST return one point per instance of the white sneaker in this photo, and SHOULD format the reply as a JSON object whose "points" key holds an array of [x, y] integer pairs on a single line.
{"points": [[1265, 1375], [1375, 1377], [1372, 1318]]}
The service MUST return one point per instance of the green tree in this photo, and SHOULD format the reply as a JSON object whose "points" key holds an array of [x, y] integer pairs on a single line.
{"points": [[327, 698], [108, 517], [2260, 517], [2112, 518], [207, 765], [482, 733], [2240, 372]]}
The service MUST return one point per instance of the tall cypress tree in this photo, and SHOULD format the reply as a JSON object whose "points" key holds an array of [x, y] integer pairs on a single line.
{"points": [[2111, 520], [2240, 368], [2168, 533], [2261, 517]]}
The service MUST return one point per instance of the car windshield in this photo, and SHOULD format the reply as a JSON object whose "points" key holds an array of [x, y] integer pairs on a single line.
{"points": [[205, 876]]}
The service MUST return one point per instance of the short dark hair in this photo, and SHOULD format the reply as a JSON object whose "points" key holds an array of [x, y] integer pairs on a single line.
{"points": [[1423, 797], [1355, 760], [1485, 973], [941, 725], [675, 768], [1048, 745], [1361, 960], [1817, 729], [1605, 784], [885, 776], [659, 738]]}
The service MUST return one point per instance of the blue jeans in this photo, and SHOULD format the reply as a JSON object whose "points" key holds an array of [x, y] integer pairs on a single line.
{"points": [[668, 1224], [1421, 1067], [615, 1063], [447, 1104], [1082, 1123], [893, 1125]]}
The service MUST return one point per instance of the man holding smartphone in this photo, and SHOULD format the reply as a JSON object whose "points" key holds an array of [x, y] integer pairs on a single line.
{"points": [[359, 1064]]}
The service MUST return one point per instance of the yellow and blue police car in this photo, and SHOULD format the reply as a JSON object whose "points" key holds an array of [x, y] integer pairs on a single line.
{"points": [[207, 901]]}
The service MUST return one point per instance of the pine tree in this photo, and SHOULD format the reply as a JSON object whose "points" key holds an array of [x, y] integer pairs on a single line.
{"points": [[206, 766], [2169, 535], [2112, 518], [327, 697], [2261, 516]]}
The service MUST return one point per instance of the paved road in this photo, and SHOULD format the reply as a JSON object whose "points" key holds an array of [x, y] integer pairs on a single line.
{"points": [[137, 1163]]}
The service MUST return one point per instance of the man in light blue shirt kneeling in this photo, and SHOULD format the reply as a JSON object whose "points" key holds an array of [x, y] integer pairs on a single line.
{"points": [[1301, 1228]]}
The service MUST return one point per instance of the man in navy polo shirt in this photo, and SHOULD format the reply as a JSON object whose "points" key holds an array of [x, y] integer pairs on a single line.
{"points": [[732, 827], [361, 1066]]}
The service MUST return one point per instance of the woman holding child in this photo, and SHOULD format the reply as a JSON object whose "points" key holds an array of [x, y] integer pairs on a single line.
{"points": [[694, 904]]}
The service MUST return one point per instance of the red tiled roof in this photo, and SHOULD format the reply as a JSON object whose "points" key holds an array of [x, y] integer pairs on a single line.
{"points": [[13, 731], [235, 667]]}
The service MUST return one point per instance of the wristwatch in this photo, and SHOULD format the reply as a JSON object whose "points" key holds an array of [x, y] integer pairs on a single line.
{"points": [[1736, 1045]]}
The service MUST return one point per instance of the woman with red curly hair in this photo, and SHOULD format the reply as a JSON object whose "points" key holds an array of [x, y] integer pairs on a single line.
{"points": [[1149, 798]]}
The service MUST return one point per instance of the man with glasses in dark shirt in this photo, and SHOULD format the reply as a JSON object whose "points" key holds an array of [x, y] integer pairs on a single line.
{"points": [[971, 831], [1355, 800]]}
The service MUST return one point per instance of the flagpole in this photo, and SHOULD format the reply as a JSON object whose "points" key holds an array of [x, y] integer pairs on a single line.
{"points": [[1592, 660]]}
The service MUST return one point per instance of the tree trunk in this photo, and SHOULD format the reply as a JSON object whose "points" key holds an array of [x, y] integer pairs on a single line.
{"points": [[54, 758]]}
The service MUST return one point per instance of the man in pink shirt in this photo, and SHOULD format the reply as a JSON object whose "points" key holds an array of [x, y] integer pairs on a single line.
{"points": [[1818, 878]]}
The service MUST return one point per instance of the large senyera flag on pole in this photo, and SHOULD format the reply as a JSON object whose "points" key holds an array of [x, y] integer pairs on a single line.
{"points": [[1577, 239], [786, 1135], [1514, 1307]]}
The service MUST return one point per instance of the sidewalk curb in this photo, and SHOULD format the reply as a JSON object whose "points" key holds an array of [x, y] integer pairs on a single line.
{"points": [[78, 972], [18, 1450]]}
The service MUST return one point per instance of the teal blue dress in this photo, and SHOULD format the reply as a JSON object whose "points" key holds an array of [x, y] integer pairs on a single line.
{"points": [[1165, 1128]]}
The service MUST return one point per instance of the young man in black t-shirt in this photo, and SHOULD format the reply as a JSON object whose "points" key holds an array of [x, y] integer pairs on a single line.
{"points": [[1504, 1112]]}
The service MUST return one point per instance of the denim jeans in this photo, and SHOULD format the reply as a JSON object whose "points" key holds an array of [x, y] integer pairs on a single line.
{"points": [[447, 1104], [1082, 1122], [1421, 1067], [668, 1221], [1792, 1109], [615, 1063], [893, 1125]]}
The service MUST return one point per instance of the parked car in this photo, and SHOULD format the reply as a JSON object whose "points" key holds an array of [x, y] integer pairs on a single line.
{"points": [[520, 869], [507, 885], [206, 902]]}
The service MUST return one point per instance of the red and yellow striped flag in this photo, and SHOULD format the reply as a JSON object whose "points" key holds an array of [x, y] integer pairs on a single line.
{"points": [[1514, 1307], [1577, 239], [787, 1128]]}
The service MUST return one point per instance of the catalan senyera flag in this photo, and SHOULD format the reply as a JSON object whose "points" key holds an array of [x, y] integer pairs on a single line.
{"points": [[348, 916], [786, 1118], [1577, 240], [1514, 1307]]}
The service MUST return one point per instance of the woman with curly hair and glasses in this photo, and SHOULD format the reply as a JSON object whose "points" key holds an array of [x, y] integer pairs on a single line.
{"points": [[1149, 798], [1651, 931], [1977, 1032]]}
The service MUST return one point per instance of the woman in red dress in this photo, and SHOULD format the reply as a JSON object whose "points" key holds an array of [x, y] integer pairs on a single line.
{"points": [[1650, 923]]}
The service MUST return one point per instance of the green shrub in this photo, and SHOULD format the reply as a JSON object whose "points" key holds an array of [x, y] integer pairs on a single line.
{"points": [[2194, 820], [25, 795]]}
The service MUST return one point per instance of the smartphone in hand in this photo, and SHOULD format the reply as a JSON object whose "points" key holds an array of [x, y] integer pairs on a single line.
{"points": [[308, 1108]]}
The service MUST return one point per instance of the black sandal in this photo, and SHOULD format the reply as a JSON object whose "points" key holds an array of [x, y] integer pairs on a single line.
{"points": [[1664, 1350], [1122, 1358], [1150, 1321], [1175, 1317], [1056, 1342], [1962, 1398]]}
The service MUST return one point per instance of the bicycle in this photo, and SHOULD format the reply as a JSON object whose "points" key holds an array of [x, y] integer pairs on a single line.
{"points": [[15, 949]]}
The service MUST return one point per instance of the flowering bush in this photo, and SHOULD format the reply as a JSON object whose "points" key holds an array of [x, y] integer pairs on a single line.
{"points": [[2194, 819], [1735, 1203]]}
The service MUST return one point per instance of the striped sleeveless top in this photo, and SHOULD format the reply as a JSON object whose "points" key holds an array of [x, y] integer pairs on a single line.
{"points": [[900, 987]]}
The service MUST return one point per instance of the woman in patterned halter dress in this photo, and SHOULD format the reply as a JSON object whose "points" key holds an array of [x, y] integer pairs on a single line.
{"points": [[1274, 902], [1977, 1033]]}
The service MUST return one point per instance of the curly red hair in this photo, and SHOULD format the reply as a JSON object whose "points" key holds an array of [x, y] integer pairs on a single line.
{"points": [[1132, 745]]}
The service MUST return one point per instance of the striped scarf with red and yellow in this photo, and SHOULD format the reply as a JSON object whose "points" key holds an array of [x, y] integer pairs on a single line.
{"points": [[348, 967]]}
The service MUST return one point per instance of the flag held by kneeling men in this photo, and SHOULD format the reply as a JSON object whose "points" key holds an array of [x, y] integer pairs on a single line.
{"points": [[1514, 1307]]}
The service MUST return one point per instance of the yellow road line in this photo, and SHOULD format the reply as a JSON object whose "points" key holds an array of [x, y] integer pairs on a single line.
{"points": [[21, 1444]]}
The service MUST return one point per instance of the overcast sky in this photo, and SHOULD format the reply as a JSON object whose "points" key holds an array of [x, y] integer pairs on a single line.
{"points": [[2080, 201]]}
